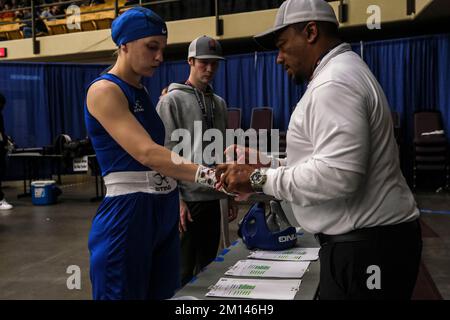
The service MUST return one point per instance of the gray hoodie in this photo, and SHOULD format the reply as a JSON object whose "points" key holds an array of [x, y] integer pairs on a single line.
{"points": [[179, 108]]}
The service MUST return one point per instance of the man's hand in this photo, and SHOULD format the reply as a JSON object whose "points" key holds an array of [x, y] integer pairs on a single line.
{"points": [[232, 209], [184, 213], [235, 177]]}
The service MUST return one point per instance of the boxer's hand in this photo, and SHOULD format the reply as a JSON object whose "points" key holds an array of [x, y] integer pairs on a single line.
{"points": [[235, 177], [184, 213], [207, 176]]}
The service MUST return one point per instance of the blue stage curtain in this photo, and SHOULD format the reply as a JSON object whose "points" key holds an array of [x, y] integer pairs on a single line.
{"points": [[66, 85], [26, 114], [169, 72], [414, 75], [45, 100], [443, 79], [406, 69], [275, 89], [236, 84]]}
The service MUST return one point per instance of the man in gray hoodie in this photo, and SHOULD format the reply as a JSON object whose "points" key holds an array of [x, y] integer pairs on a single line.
{"points": [[193, 107]]}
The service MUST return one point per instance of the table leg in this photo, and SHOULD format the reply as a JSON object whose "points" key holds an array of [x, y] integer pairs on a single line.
{"points": [[27, 176]]}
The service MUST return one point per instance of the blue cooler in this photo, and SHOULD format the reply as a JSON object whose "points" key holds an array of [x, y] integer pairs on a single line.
{"points": [[43, 192]]}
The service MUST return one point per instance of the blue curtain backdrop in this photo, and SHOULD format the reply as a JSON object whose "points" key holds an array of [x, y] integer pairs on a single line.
{"points": [[26, 114], [44, 100], [414, 74]]}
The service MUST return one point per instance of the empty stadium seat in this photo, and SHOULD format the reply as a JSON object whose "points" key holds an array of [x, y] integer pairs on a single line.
{"points": [[430, 145], [234, 118], [262, 118]]}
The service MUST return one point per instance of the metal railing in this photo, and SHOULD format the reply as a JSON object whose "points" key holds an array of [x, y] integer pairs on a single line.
{"points": [[34, 17]]}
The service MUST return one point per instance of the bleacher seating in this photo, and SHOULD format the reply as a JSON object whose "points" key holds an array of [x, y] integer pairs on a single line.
{"points": [[10, 31], [88, 21], [170, 11]]}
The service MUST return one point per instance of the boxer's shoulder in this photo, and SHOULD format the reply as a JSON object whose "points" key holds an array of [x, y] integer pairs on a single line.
{"points": [[104, 94]]}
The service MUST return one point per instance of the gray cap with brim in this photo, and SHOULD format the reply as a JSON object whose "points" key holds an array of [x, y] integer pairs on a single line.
{"points": [[295, 11], [205, 48]]}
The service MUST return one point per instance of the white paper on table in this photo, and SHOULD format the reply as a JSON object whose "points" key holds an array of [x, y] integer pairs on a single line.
{"points": [[267, 269], [293, 254], [255, 288]]}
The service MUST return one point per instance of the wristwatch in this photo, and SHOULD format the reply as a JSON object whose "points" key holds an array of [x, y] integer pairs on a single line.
{"points": [[258, 178]]}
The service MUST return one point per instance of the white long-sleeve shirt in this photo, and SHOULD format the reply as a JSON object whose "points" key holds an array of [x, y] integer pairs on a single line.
{"points": [[342, 169]]}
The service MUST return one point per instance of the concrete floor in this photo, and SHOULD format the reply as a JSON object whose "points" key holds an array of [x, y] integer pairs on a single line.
{"points": [[39, 243], [436, 251]]}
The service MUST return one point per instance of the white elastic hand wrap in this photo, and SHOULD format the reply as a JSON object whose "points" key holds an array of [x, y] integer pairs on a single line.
{"points": [[207, 177]]}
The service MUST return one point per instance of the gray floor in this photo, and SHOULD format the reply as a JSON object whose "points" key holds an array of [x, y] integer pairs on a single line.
{"points": [[436, 252], [39, 243]]}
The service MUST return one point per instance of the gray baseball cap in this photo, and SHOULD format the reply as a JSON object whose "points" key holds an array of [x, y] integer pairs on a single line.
{"points": [[205, 48], [295, 11]]}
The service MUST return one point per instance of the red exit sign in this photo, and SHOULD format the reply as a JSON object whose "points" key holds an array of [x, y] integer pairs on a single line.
{"points": [[3, 53]]}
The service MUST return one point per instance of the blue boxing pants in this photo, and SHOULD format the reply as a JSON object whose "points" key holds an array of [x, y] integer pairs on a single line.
{"points": [[134, 247]]}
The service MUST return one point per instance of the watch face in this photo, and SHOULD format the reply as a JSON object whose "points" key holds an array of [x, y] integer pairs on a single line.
{"points": [[256, 177]]}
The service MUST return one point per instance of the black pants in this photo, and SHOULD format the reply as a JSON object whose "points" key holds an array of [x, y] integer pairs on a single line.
{"points": [[348, 270], [199, 244]]}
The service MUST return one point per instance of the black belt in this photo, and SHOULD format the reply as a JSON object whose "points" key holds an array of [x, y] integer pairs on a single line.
{"points": [[366, 233]]}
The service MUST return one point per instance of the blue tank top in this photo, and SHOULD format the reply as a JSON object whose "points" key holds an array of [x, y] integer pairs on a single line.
{"points": [[110, 155]]}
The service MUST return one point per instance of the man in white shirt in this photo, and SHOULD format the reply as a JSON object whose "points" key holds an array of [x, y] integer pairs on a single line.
{"points": [[342, 174]]}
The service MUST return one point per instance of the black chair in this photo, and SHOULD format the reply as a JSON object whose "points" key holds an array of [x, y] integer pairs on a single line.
{"points": [[234, 118], [430, 145], [283, 143], [262, 118]]}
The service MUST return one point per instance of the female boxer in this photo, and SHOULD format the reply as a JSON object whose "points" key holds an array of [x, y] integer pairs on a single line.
{"points": [[134, 241]]}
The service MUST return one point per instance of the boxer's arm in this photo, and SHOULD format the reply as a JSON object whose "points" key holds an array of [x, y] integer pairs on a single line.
{"points": [[107, 103]]}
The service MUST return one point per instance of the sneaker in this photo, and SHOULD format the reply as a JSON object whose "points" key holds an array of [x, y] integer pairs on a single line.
{"points": [[5, 205]]}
